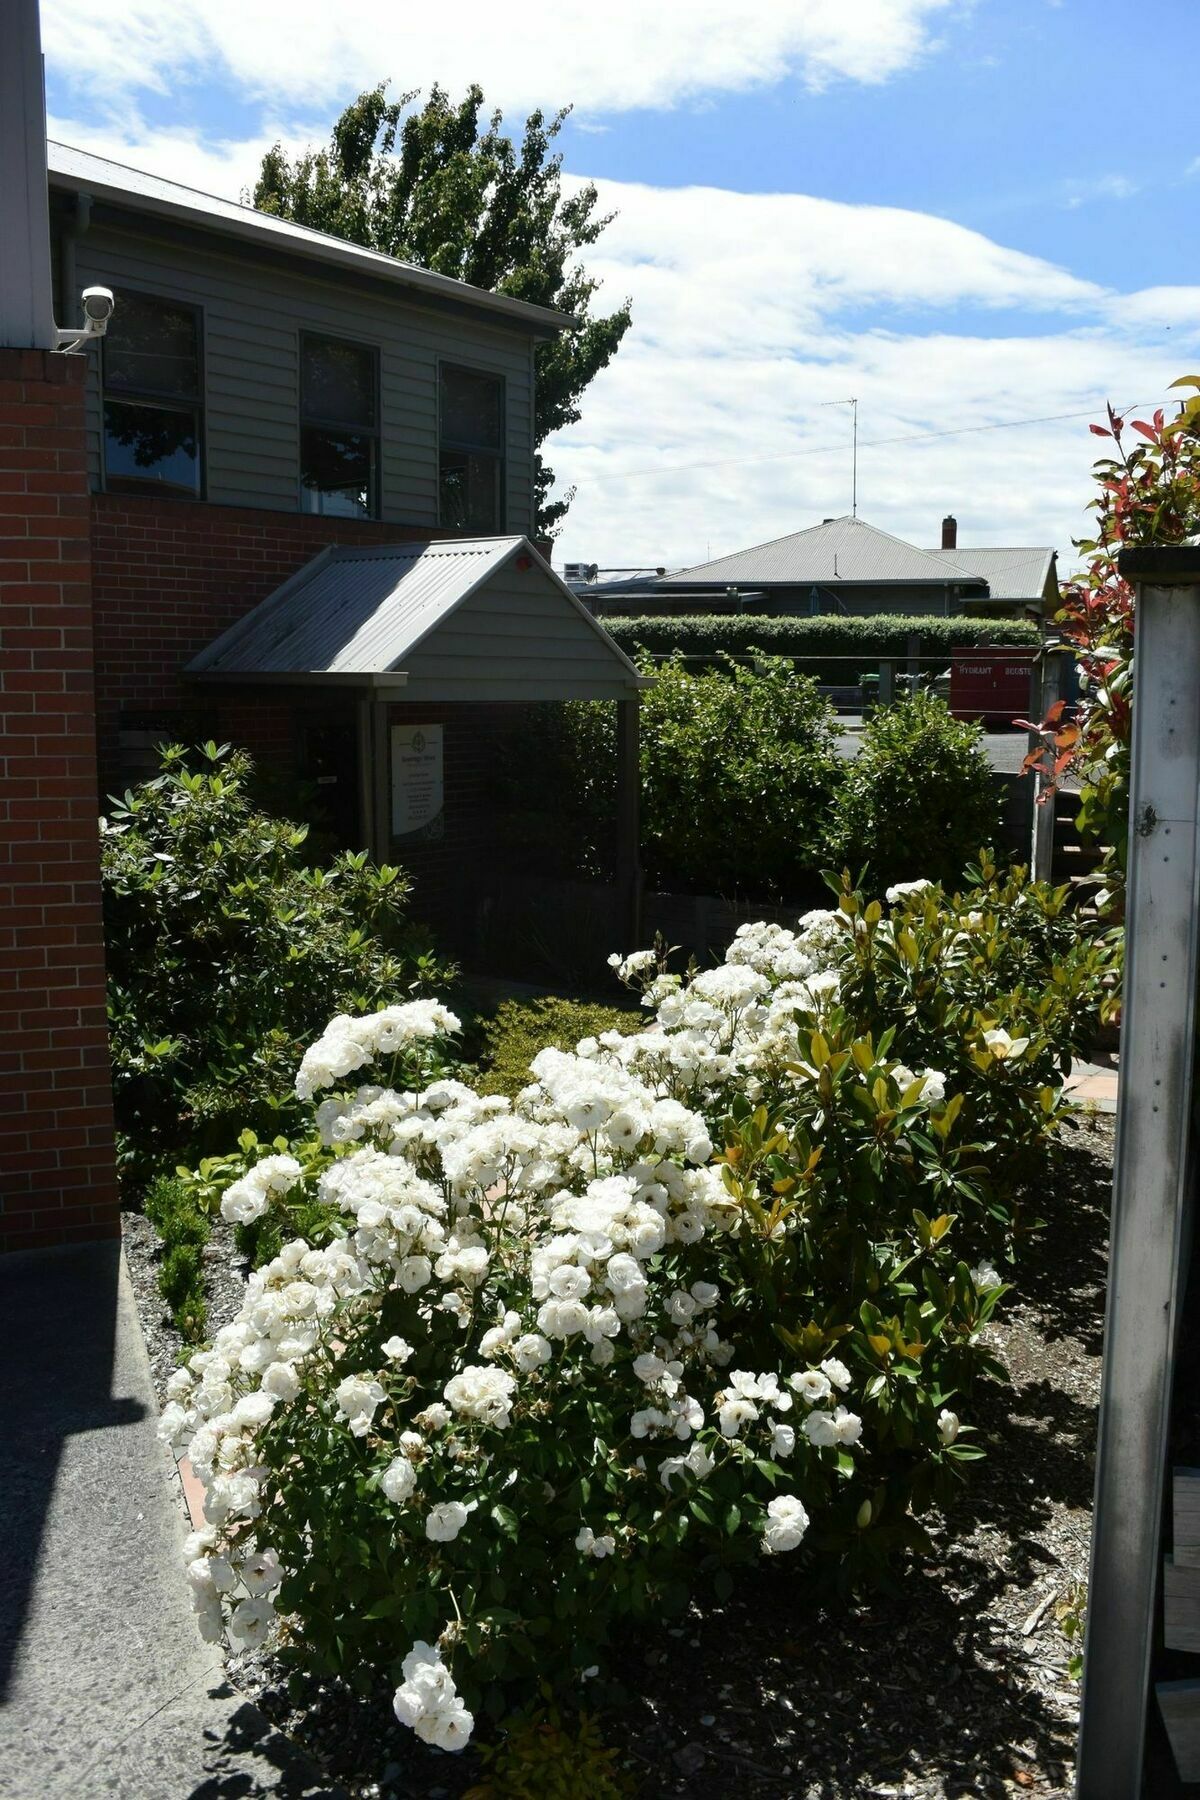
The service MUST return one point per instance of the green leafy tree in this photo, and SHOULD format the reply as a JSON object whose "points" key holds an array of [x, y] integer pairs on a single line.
{"points": [[446, 189]]}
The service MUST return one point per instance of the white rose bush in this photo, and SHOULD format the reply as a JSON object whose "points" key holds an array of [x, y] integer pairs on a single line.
{"points": [[700, 1294]]}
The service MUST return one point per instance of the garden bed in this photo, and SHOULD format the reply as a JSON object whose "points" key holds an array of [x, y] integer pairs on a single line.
{"points": [[953, 1684]]}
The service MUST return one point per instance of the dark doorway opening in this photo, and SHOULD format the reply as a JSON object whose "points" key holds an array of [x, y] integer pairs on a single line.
{"points": [[327, 763]]}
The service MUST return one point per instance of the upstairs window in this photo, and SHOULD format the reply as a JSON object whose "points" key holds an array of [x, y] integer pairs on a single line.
{"points": [[339, 428], [471, 446], [153, 415]]}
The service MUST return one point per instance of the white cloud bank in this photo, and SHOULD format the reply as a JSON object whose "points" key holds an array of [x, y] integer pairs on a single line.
{"points": [[608, 58]]}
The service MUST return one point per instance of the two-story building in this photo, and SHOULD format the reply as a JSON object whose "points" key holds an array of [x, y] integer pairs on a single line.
{"points": [[287, 502]]}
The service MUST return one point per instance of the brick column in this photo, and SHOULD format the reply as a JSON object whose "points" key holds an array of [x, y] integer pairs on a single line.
{"points": [[57, 1170]]}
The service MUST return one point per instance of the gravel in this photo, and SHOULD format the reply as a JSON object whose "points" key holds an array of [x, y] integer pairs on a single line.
{"points": [[952, 1684], [224, 1288]]}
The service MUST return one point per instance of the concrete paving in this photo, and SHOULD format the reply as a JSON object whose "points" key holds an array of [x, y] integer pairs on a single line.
{"points": [[105, 1685], [1005, 748]]}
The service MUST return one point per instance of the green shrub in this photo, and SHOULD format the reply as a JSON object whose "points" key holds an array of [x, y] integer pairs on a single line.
{"points": [[866, 639], [918, 799], [709, 1290], [739, 771], [174, 1209], [519, 1029], [226, 953]]}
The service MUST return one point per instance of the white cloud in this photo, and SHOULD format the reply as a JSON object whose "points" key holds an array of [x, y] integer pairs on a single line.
{"points": [[1100, 187], [708, 432], [607, 58]]}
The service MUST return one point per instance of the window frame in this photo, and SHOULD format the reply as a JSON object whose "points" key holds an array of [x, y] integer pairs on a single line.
{"points": [[349, 427], [463, 448], [151, 397]]}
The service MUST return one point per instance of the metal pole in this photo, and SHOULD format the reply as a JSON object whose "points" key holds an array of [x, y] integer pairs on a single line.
{"points": [[1150, 1180], [629, 781], [1047, 688]]}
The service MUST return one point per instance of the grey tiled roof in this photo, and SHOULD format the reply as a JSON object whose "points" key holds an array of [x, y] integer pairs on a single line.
{"points": [[840, 550]]}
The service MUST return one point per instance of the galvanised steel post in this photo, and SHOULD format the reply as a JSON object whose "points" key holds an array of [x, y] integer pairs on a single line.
{"points": [[1152, 1177]]}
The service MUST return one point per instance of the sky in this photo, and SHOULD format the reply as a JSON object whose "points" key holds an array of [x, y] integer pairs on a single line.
{"points": [[967, 214]]}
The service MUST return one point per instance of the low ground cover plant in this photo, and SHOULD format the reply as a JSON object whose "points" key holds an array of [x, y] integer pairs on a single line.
{"points": [[711, 1290], [517, 1030], [226, 951]]}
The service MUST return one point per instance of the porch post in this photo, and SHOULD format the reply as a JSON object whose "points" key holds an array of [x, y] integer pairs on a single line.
{"points": [[381, 781], [629, 779]]}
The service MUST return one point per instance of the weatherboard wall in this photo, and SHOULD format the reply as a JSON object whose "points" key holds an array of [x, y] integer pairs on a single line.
{"points": [[253, 309], [517, 638]]}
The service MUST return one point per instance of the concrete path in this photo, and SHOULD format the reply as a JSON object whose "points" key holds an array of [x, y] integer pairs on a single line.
{"points": [[1093, 1084], [105, 1685]]}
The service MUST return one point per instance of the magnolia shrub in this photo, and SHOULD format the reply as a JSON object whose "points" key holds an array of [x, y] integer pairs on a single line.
{"points": [[699, 1293]]}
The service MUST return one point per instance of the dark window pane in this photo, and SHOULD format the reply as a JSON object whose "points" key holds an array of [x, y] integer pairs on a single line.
{"points": [[337, 382], [151, 348], [336, 473], [470, 491], [471, 408], [151, 447]]}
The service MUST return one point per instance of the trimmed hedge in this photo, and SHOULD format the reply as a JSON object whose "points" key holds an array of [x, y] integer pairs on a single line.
{"points": [[519, 1029], [825, 635]]}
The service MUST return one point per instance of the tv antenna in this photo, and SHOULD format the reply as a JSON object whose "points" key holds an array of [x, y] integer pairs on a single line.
{"points": [[853, 405]]}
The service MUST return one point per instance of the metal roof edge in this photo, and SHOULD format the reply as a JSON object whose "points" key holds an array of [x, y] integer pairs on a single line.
{"points": [[202, 662], [283, 235], [639, 680]]}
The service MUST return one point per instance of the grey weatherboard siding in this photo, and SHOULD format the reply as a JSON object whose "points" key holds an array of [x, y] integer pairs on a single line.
{"points": [[253, 310]]}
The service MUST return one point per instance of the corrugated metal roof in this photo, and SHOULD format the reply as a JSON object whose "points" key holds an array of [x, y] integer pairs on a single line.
{"points": [[362, 612], [841, 550], [80, 171], [1017, 573]]}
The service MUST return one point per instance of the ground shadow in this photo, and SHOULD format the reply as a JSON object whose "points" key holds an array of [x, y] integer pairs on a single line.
{"points": [[58, 1311]]}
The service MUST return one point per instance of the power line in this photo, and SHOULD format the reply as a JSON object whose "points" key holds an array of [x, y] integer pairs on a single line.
{"points": [[908, 437]]}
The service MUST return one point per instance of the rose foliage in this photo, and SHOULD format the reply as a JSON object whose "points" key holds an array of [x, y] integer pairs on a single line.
{"points": [[710, 1291]]}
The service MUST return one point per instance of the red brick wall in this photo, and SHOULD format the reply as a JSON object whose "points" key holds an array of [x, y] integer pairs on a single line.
{"points": [[168, 577], [57, 1172]]}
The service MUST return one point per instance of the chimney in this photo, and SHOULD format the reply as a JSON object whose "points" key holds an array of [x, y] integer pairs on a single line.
{"points": [[949, 532]]}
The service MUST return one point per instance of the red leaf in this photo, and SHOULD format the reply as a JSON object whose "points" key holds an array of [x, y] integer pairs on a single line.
{"points": [[1055, 713], [1099, 431], [1146, 430]]}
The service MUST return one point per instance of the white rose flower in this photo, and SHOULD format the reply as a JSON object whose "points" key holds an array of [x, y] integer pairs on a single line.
{"points": [[786, 1524], [398, 1480], [445, 1521], [396, 1350]]}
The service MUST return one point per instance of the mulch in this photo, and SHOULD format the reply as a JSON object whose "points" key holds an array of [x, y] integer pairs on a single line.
{"points": [[954, 1683]]}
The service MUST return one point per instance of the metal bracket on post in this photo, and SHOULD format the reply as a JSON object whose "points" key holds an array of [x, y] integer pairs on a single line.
{"points": [[1151, 1176]]}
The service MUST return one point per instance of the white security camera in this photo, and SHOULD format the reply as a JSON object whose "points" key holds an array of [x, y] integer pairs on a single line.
{"points": [[99, 304]]}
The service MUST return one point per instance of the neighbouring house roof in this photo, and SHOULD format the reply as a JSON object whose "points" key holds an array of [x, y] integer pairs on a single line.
{"points": [[451, 619], [81, 172], [845, 550], [1019, 573]]}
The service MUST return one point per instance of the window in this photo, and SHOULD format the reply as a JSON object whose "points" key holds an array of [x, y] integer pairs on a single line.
{"points": [[153, 415], [471, 450], [339, 428]]}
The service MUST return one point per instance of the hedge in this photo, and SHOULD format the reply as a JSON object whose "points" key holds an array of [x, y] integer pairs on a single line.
{"points": [[870, 637]]}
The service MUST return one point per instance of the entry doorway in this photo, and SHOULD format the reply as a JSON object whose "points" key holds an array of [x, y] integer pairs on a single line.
{"points": [[327, 764]]}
